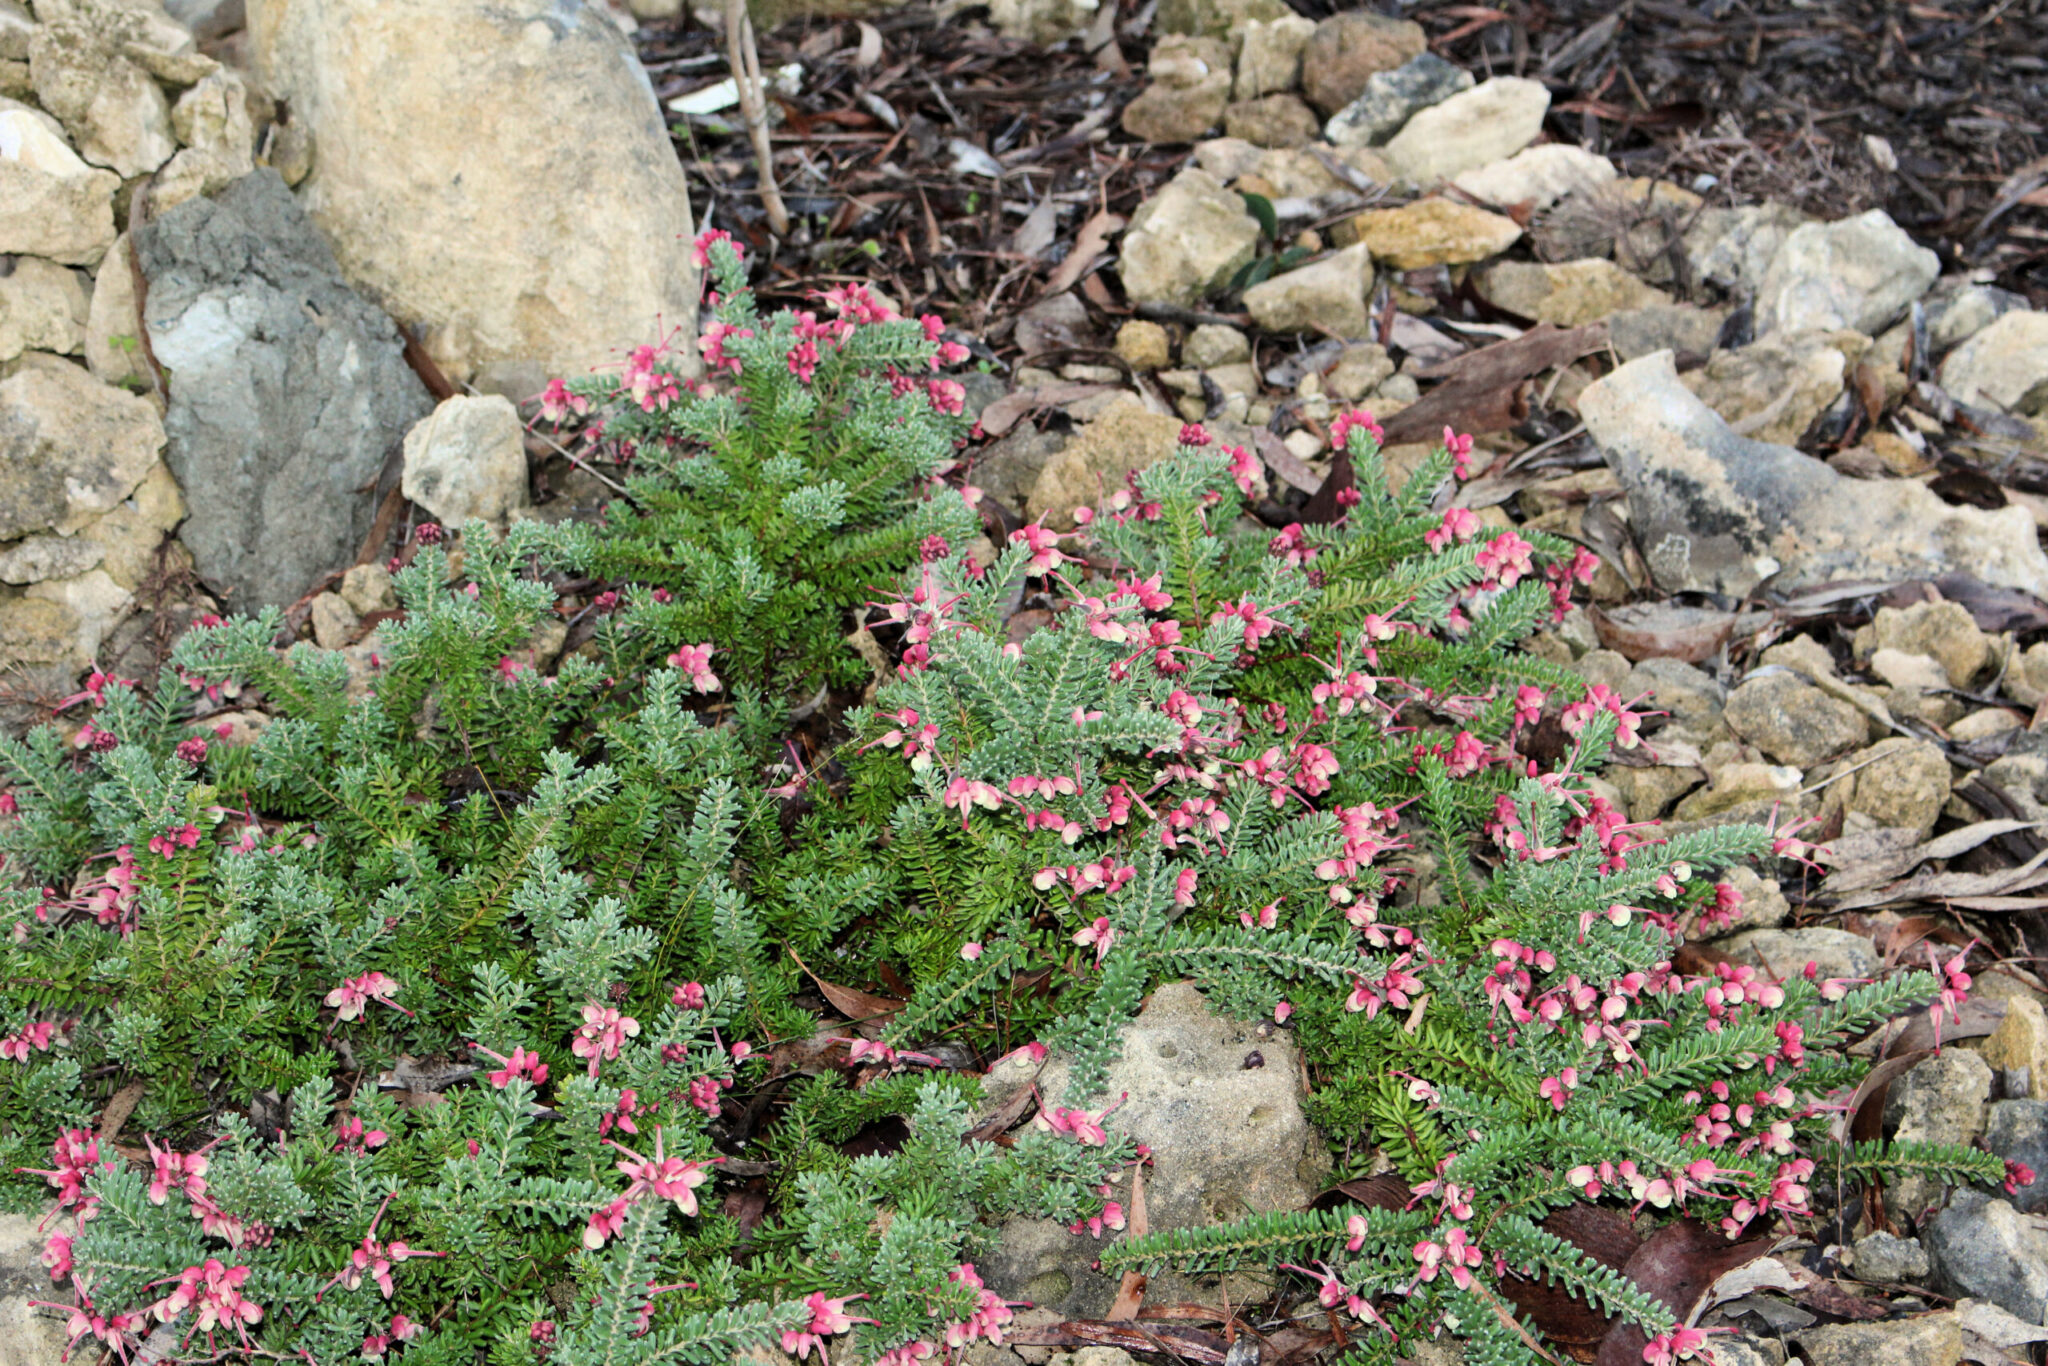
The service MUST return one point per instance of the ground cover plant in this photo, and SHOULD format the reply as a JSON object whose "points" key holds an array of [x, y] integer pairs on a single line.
{"points": [[438, 1022]]}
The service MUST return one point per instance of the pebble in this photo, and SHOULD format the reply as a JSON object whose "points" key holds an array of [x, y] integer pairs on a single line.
{"points": [[1490, 122]]}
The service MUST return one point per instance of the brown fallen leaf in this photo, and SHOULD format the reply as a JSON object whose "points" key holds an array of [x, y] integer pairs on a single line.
{"points": [[859, 1006], [1478, 394], [1173, 1340], [1663, 630], [1605, 1235], [1949, 887], [1130, 1292], [1090, 245], [118, 1109], [1877, 857], [1678, 1265], [1004, 413]]}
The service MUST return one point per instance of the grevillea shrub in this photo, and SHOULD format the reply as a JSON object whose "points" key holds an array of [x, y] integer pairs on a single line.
{"points": [[473, 1017]]}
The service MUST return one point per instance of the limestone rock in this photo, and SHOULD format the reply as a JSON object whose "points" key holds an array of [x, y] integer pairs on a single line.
{"points": [[1537, 176], [1679, 328], [1360, 369], [1943, 631], [35, 558], [1987, 1250], [1348, 49], [1226, 158], [1143, 345], [128, 536], [1764, 906], [1190, 86], [1887, 1259], [1391, 98], [290, 389], [1785, 953], [1271, 121], [1217, 18], [92, 604], [34, 1337], [1958, 309], [368, 588], [1269, 55], [115, 113], [16, 29], [551, 95], [1326, 296], [113, 328], [1731, 249], [1929, 1340], [2005, 365], [42, 308], [1899, 782], [1490, 122], [212, 120], [1186, 241], [51, 203], [2019, 1048], [1567, 294], [1793, 721], [1227, 1140], [1941, 1100], [1717, 512], [1859, 273], [334, 621], [72, 447], [1741, 792], [1212, 344], [1774, 388], [467, 460], [1434, 232], [1126, 437], [1037, 21]]}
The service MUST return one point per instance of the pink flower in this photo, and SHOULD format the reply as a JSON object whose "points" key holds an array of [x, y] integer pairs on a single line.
{"points": [[803, 360], [970, 951], [351, 1137], [355, 995], [1528, 705], [602, 1033], [1246, 470], [217, 1291], [171, 841], [520, 1064], [192, 751], [690, 996], [700, 252], [1506, 558], [661, 1176], [1045, 551], [603, 1223], [1184, 887], [1357, 419], [620, 1116], [1460, 448], [557, 402], [695, 660], [948, 397], [175, 1171], [1099, 934]]}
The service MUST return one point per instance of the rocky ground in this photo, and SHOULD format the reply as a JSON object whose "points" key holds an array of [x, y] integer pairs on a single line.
{"points": [[263, 306]]}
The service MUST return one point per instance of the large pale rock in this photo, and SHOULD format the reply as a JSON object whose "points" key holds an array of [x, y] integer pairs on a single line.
{"points": [[1537, 176], [1269, 56], [1432, 232], [1859, 273], [1475, 128], [1930, 1340], [289, 391], [497, 171], [1391, 98], [1899, 783], [33, 1337], [51, 203], [1348, 49], [1186, 241], [1038, 21], [1093, 464], [1277, 121], [42, 308], [2006, 365], [115, 113], [92, 603], [1716, 512], [1227, 1140], [71, 447], [468, 460], [1568, 293], [1328, 296], [1793, 721]]}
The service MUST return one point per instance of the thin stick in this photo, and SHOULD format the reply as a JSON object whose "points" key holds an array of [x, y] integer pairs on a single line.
{"points": [[746, 74]]}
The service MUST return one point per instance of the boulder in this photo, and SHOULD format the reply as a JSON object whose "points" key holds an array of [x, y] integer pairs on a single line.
{"points": [[1271, 121], [1490, 122], [1186, 241], [1432, 232], [544, 231], [1348, 49], [42, 308], [1860, 273], [1269, 56], [2004, 365], [72, 447], [1227, 1139], [51, 203], [1391, 98], [1328, 296], [1190, 86], [290, 390], [467, 460], [1567, 293], [1717, 512], [1537, 176]]}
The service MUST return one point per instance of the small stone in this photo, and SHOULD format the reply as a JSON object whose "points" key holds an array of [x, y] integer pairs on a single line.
{"points": [[1348, 49], [1567, 294], [1732, 248], [2017, 1130], [1899, 783], [1537, 176], [1094, 462], [1217, 18], [1045, 22], [1055, 324], [1680, 328], [1982, 725], [2020, 1044], [1943, 631], [1186, 241], [1490, 122], [1901, 670], [1271, 121], [1774, 388], [1391, 98], [1785, 953], [467, 460], [2005, 365], [115, 113], [1985, 1249], [1361, 368], [334, 621], [1692, 696], [1290, 173], [1740, 788], [42, 308], [1213, 344], [1326, 296], [1764, 906], [1227, 158], [73, 448], [212, 120], [1860, 273], [1793, 721], [1958, 309], [51, 203], [1269, 56], [1434, 232], [35, 1337], [1190, 85], [1929, 1340], [368, 588], [2026, 681], [1887, 1259], [16, 31], [1143, 345]]}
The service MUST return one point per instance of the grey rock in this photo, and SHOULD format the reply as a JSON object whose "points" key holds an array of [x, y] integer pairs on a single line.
{"points": [[1009, 468], [1732, 248], [1930, 1340], [1693, 696], [1986, 1249], [1718, 512], [1793, 721], [1227, 1140], [1785, 953], [1391, 98], [1055, 324], [289, 390], [1679, 328], [1213, 344], [72, 447], [1858, 273], [1940, 1101], [1889, 1259], [2017, 1130], [1958, 309], [1473, 128]]}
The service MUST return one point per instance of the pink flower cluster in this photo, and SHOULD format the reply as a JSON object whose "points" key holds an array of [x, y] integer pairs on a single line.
{"points": [[695, 660], [356, 994], [603, 1032], [35, 1035], [216, 1290]]}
